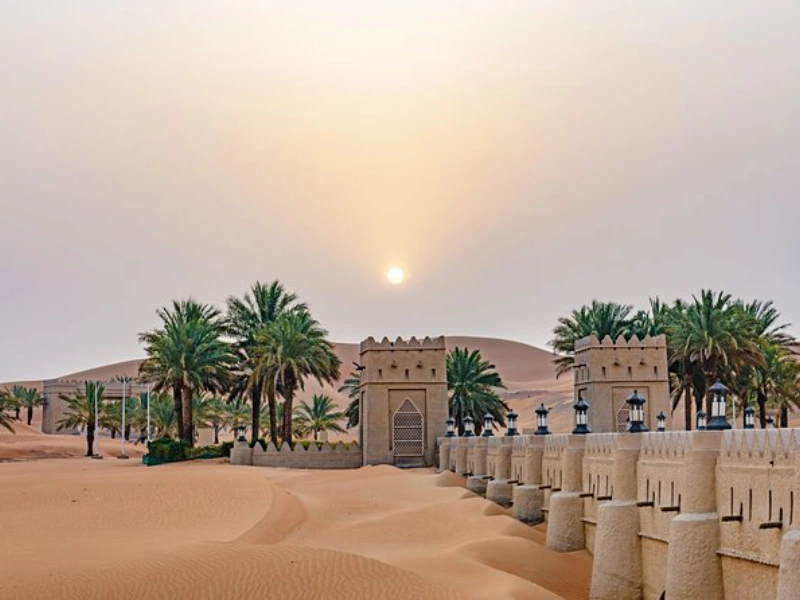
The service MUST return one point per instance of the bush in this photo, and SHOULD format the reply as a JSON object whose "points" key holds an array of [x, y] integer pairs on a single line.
{"points": [[167, 450], [225, 449], [261, 441]]}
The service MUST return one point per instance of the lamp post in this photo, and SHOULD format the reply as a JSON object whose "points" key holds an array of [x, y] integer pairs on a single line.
{"points": [[541, 421], [581, 407], [123, 420], [240, 430], [96, 422], [469, 426], [661, 422], [148, 413], [451, 427], [512, 423], [719, 406], [701, 420], [488, 424], [770, 423], [636, 404], [749, 417]]}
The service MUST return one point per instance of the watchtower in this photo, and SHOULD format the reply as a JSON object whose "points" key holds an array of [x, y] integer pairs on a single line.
{"points": [[607, 372], [403, 407]]}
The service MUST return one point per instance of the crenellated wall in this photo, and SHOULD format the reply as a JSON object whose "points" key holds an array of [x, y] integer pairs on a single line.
{"points": [[322, 456], [706, 514]]}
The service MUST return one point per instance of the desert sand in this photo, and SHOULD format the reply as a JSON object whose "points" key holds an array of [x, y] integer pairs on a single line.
{"points": [[82, 528]]}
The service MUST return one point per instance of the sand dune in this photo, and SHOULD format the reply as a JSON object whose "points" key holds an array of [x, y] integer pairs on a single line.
{"points": [[97, 529]]}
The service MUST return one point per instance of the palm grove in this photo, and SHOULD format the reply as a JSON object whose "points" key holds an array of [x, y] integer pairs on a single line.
{"points": [[713, 337], [247, 365]]}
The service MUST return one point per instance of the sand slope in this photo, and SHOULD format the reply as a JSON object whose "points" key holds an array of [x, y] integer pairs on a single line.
{"points": [[98, 529]]}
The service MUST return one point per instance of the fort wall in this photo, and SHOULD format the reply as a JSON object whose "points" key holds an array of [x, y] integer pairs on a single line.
{"points": [[702, 514]]}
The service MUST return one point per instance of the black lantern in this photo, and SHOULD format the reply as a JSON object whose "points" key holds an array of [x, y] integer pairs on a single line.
{"points": [[512, 423], [636, 404], [749, 417], [719, 406], [488, 425], [541, 421], [581, 407], [451, 427], [240, 429], [770, 423], [701, 420], [469, 426], [661, 422]]}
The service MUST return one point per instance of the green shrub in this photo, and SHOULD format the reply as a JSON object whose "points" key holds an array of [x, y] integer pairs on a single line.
{"points": [[225, 449], [261, 441], [167, 449]]}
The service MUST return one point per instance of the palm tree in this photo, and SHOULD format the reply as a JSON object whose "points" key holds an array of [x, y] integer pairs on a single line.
{"points": [[472, 382], [188, 356], [79, 411], [256, 311], [298, 426], [599, 319], [7, 403], [352, 387], [237, 412], [210, 412], [29, 398], [320, 416], [163, 419], [290, 350]]}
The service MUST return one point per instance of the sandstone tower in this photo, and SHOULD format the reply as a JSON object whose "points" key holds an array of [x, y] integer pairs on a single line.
{"points": [[607, 372], [403, 406]]}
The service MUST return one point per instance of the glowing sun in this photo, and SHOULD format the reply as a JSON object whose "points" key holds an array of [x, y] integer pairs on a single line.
{"points": [[395, 275]]}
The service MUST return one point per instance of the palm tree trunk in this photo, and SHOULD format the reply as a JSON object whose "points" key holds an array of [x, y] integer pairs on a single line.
{"points": [[188, 426], [216, 434], [255, 399], [90, 439], [16, 413], [177, 396], [784, 415], [287, 416], [273, 413], [762, 408], [30, 415], [687, 406]]}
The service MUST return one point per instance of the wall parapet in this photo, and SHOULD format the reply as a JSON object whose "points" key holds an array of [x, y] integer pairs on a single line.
{"points": [[318, 455], [437, 343]]}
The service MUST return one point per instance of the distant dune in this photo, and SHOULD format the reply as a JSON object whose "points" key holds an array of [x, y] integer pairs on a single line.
{"points": [[527, 371]]}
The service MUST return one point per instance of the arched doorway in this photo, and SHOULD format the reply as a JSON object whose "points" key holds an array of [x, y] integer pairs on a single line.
{"points": [[408, 435]]}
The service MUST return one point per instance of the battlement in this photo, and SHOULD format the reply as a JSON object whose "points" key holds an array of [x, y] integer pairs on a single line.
{"points": [[318, 455], [427, 343], [583, 344]]}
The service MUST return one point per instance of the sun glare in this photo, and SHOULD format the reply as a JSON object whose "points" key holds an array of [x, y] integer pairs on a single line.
{"points": [[395, 275]]}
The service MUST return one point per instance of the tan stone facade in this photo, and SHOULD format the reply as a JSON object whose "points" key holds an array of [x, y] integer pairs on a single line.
{"points": [[54, 406], [702, 514], [403, 406], [318, 456], [607, 372]]}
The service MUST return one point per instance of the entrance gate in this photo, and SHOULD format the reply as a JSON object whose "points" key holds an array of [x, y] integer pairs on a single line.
{"points": [[408, 435]]}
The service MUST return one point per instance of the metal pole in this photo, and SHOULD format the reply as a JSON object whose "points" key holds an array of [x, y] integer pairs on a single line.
{"points": [[96, 422], [148, 413], [123, 418]]}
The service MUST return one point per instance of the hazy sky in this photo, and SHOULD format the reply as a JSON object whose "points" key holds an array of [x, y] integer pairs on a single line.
{"points": [[517, 159]]}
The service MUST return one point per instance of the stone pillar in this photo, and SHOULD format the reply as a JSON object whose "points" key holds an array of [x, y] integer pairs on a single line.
{"points": [[241, 453], [528, 498], [461, 456], [789, 572], [617, 566], [564, 523], [477, 482], [499, 490], [694, 569], [444, 453]]}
